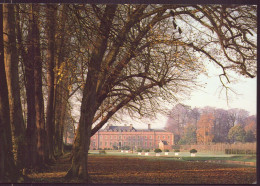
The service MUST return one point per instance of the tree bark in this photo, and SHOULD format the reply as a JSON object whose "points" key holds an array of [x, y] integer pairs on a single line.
{"points": [[90, 103], [36, 130], [8, 171], [27, 56], [11, 67], [39, 107], [51, 20]]}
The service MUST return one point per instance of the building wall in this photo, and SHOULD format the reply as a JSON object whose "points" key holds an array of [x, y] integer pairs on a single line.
{"points": [[137, 139]]}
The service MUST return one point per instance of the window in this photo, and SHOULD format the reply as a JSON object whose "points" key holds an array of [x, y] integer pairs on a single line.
{"points": [[145, 137], [94, 144], [163, 137], [124, 143], [133, 137], [150, 143], [151, 137], [158, 137], [111, 137], [94, 137], [101, 137], [168, 137], [124, 137], [100, 143], [115, 137], [105, 143], [105, 137], [119, 137], [145, 144], [138, 137], [133, 143]]}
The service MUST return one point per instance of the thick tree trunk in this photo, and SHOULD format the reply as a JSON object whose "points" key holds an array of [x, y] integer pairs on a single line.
{"points": [[39, 107], [90, 103], [36, 124], [51, 13], [11, 66], [8, 170], [28, 63]]}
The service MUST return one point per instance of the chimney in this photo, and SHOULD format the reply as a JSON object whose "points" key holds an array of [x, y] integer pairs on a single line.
{"points": [[149, 126]]}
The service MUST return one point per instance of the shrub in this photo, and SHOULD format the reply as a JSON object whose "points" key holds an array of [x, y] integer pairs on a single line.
{"points": [[139, 150], [99, 148], [193, 151], [157, 150], [115, 147], [94, 148], [147, 150], [102, 152], [176, 150], [166, 150]]}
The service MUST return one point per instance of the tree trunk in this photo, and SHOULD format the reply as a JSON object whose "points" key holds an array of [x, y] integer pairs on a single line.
{"points": [[51, 17], [36, 124], [90, 103], [11, 67], [39, 107], [30, 91], [8, 170]]}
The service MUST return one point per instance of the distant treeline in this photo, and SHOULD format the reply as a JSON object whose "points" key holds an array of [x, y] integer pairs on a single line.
{"points": [[208, 124]]}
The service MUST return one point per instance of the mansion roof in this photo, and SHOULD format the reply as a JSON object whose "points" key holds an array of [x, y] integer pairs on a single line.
{"points": [[130, 128]]}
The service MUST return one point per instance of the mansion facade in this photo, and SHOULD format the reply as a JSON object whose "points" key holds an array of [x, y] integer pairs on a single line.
{"points": [[117, 137]]}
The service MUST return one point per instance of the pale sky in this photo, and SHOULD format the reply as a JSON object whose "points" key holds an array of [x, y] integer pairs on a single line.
{"points": [[208, 96], [211, 96]]}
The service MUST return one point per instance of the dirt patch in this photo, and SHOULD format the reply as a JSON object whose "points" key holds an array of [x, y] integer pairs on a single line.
{"points": [[104, 169]]}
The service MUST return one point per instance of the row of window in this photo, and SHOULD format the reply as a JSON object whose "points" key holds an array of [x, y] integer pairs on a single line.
{"points": [[129, 137], [123, 144]]}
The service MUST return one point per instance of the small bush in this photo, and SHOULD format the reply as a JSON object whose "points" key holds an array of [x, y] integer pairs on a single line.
{"points": [[115, 147], [176, 150], [102, 152], [157, 150], [166, 150], [139, 150], [147, 150], [94, 148], [193, 151]]}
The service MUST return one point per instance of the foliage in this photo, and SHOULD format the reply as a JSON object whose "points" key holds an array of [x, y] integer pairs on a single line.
{"points": [[177, 150], [139, 150], [237, 133], [250, 136], [115, 147], [157, 150], [125, 148], [166, 150], [239, 151], [190, 136], [193, 151], [147, 150]]}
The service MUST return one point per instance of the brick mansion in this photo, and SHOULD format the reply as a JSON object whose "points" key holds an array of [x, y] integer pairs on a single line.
{"points": [[112, 137]]}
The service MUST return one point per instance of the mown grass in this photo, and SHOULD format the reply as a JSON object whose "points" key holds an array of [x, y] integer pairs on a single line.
{"points": [[232, 158]]}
